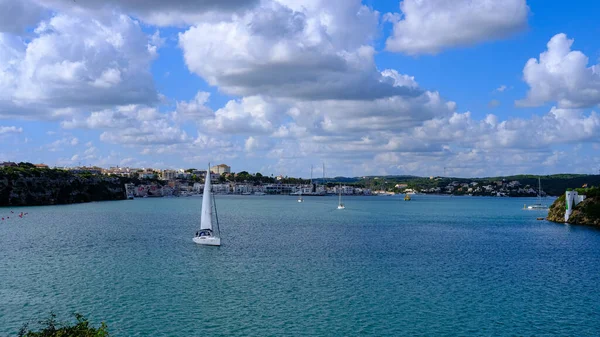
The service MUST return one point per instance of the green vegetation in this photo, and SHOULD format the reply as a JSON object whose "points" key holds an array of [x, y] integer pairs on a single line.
{"points": [[555, 184], [258, 178], [27, 185], [51, 328], [585, 213]]}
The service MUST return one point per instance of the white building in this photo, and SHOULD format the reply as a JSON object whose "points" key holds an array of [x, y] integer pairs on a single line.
{"points": [[243, 188], [221, 188]]}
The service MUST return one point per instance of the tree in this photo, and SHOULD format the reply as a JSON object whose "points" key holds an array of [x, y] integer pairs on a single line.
{"points": [[243, 176], [26, 165], [51, 328]]}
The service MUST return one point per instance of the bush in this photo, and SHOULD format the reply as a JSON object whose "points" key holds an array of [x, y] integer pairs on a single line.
{"points": [[51, 328]]}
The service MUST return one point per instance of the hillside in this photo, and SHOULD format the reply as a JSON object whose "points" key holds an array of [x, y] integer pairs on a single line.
{"points": [[585, 213], [554, 185], [27, 186]]}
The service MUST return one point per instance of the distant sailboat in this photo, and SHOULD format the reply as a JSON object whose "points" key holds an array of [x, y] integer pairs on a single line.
{"points": [[539, 197], [300, 195], [340, 205], [206, 235]]}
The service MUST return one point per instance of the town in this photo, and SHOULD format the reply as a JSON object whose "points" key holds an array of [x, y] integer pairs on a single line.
{"points": [[149, 182]]}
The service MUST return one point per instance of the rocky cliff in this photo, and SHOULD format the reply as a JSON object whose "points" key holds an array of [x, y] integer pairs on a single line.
{"points": [[585, 213], [30, 186]]}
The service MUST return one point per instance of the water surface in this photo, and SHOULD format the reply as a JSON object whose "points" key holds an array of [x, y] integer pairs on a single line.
{"points": [[381, 267]]}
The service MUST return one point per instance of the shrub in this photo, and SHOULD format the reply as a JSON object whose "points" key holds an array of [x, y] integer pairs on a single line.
{"points": [[51, 328]]}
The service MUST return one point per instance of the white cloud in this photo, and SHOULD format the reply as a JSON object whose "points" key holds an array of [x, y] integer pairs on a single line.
{"points": [[158, 132], [501, 88], [561, 75], [429, 26], [16, 15], [61, 144], [75, 63], [194, 110], [298, 51], [393, 113], [131, 125], [559, 126], [254, 144], [118, 118], [155, 12], [251, 114], [10, 129]]}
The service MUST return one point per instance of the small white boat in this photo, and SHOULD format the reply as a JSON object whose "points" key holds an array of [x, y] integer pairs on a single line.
{"points": [[259, 193], [300, 196], [340, 205], [539, 205], [206, 235]]}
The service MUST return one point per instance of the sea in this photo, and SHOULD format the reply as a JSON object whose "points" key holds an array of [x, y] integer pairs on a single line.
{"points": [[432, 266]]}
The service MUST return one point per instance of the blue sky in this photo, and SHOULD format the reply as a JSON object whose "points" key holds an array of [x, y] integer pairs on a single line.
{"points": [[275, 86]]}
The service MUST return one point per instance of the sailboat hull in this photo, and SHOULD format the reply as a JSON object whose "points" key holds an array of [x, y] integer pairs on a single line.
{"points": [[207, 240]]}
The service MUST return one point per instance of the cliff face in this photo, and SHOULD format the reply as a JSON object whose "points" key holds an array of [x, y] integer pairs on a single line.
{"points": [[556, 212], [585, 213], [28, 187]]}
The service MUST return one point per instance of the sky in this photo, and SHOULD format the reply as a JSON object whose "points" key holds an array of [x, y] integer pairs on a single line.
{"points": [[374, 87]]}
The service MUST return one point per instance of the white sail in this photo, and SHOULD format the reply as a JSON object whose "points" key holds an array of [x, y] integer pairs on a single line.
{"points": [[206, 219]]}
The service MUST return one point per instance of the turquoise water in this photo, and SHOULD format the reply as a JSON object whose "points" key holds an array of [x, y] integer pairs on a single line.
{"points": [[381, 267]]}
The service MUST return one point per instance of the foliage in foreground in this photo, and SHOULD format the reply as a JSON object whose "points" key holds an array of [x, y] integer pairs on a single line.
{"points": [[51, 328]]}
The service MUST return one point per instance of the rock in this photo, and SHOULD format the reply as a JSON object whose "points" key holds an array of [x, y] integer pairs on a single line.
{"points": [[585, 213], [556, 212], [28, 187]]}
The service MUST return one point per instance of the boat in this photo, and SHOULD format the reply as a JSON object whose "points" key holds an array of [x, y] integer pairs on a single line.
{"points": [[539, 205], [340, 205], [300, 196], [407, 197], [247, 193], [259, 193], [206, 235]]}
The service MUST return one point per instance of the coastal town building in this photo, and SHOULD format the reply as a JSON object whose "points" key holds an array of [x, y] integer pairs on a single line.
{"points": [[220, 169], [85, 169], [168, 174]]}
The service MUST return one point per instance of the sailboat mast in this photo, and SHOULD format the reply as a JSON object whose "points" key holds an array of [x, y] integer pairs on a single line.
{"points": [[324, 185], [539, 190]]}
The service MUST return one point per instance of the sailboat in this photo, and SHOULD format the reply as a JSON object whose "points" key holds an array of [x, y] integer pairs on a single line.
{"points": [[340, 205], [206, 235], [539, 197], [300, 195]]}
